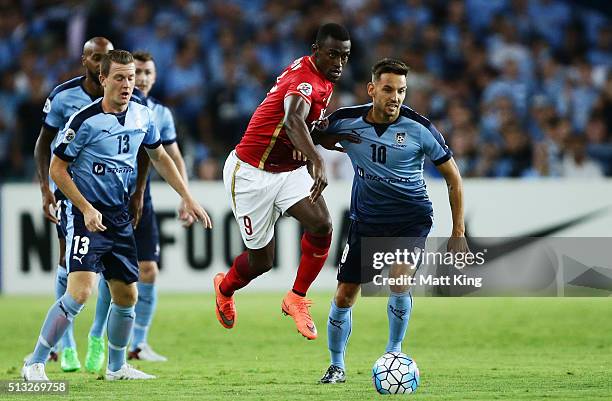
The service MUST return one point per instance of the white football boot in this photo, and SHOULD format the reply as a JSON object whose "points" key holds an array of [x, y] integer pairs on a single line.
{"points": [[127, 372], [34, 372], [144, 352]]}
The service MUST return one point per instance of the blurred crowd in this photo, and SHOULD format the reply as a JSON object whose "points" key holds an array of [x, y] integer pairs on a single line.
{"points": [[519, 88]]}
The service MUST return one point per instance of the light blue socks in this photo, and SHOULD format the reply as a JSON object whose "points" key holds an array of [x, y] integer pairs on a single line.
{"points": [[398, 313], [59, 317], [338, 333]]}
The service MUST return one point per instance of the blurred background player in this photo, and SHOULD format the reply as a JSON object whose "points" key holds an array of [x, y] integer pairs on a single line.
{"points": [[264, 181], [64, 101], [146, 233], [92, 166], [394, 142]]}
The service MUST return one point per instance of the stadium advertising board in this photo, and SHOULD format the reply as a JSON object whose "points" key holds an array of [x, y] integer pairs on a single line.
{"points": [[190, 257]]}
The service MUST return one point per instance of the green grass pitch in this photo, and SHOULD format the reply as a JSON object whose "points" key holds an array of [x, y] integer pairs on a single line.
{"points": [[466, 349]]}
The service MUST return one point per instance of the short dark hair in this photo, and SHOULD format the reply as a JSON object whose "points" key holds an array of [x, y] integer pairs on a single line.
{"points": [[387, 65], [142, 55], [333, 30], [115, 56]]}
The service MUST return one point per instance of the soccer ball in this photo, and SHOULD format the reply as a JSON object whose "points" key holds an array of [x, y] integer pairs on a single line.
{"points": [[395, 373]]}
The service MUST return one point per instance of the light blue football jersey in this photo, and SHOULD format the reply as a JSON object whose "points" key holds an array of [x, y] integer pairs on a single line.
{"points": [[65, 100], [165, 124], [388, 186], [163, 120], [102, 149]]}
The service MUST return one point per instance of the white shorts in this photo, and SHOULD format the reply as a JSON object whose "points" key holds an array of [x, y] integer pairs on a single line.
{"points": [[259, 197]]}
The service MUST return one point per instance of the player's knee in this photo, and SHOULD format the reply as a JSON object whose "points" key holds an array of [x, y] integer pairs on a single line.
{"points": [[346, 295], [322, 226], [81, 294], [147, 271], [126, 295], [131, 298], [344, 300]]}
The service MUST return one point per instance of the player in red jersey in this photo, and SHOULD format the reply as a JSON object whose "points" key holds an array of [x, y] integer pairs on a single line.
{"points": [[264, 180]]}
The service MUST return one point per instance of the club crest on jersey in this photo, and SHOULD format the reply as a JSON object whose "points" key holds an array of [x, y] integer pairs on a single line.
{"points": [[47, 107], [400, 137], [69, 135], [305, 88]]}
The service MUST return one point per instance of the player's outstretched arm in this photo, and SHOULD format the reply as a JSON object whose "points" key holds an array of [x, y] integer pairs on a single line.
{"points": [[175, 154], [329, 139], [296, 111], [42, 157], [166, 168], [450, 172], [59, 173]]}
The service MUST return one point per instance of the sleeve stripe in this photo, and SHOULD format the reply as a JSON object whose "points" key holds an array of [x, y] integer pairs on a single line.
{"points": [[443, 159], [298, 93], [50, 127], [168, 142], [59, 152], [152, 145]]}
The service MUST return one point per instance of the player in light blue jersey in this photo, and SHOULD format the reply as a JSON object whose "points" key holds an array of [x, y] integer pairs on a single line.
{"points": [[146, 233], [93, 166], [389, 197], [65, 100]]}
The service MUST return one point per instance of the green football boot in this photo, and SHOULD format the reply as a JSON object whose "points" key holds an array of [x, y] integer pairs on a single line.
{"points": [[70, 360], [94, 360]]}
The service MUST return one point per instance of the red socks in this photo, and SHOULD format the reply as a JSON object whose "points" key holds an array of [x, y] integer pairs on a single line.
{"points": [[314, 254], [238, 276]]}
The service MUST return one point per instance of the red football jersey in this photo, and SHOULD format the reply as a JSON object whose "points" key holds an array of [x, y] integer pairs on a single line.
{"points": [[265, 143]]}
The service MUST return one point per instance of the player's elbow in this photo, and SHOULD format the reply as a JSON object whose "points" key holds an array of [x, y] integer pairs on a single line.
{"points": [[54, 170]]}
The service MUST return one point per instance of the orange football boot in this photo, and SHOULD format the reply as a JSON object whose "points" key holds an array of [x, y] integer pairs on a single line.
{"points": [[297, 307], [224, 306]]}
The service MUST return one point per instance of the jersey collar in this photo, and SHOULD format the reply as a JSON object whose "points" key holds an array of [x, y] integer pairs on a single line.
{"points": [[379, 128]]}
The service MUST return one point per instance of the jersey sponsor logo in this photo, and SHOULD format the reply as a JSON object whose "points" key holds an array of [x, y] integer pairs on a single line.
{"points": [[69, 135], [120, 170], [400, 137], [305, 88], [47, 107], [389, 180], [99, 168]]}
